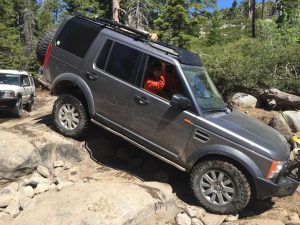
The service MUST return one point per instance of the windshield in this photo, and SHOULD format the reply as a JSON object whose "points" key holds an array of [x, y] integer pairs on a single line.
{"points": [[204, 90], [10, 79]]}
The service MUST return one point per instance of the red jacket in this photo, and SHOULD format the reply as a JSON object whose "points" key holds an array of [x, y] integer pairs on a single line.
{"points": [[154, 86]]}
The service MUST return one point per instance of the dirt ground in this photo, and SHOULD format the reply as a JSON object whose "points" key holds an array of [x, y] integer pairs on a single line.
{"points": [[102, 165]]}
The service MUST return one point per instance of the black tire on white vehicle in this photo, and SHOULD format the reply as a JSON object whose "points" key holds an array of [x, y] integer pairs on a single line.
{"points": [[18, 108]]}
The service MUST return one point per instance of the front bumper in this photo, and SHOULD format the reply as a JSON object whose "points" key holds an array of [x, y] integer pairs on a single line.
{"points": [[7, 103], [285, 184]]}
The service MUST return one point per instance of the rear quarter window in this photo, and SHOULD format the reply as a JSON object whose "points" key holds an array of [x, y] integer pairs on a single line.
{"points": [[77, 36]]}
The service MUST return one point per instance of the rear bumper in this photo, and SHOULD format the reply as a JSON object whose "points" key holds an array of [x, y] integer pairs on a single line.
{"points": [[285, 184]]}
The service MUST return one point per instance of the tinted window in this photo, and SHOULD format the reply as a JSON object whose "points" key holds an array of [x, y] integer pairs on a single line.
{"points": [[123, 62], [101, 61], [25, 81], [77, 36]]}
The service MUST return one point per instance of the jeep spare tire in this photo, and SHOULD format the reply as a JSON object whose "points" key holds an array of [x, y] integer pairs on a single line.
{"points": [[42, 45]]}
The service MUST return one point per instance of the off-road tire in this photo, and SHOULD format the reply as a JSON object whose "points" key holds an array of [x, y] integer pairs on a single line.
{"points": [[29, 105], [241, 185], [43, 44], [17, 111], [79, 131]]}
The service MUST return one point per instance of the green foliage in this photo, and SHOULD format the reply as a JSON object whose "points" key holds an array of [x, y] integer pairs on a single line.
{"points": [[253, 63], [174, 23], [215, 35]]}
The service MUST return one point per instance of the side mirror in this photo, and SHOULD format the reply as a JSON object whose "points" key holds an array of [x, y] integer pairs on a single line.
{"points": [[180, 101]]}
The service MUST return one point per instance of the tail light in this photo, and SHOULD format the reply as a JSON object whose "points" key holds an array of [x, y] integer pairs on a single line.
{"points": [[47, 56]]}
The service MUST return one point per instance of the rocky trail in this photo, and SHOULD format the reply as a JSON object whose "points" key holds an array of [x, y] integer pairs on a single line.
{"points": [[46, 178]]}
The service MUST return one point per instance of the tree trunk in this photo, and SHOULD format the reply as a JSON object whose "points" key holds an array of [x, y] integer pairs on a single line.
{"points": [[253, 18], [263, 9], [138, 14], [116, 10]]}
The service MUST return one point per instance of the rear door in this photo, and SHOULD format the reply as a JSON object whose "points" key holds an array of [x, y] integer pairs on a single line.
{"points": [[70, 47], [111, 78]]}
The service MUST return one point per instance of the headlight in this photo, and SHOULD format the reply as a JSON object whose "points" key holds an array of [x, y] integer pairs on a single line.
{"points": [[7, 94], [274, 170]]}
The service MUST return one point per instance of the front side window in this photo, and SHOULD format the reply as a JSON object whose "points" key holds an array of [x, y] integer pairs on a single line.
{"points": [[9, 79], [122, 62], [204, 90], [161, 78], [77, 36], [25, 81]]}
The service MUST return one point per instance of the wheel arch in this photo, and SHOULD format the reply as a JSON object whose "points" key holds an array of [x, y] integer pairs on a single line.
{"points": [[62, 83]]}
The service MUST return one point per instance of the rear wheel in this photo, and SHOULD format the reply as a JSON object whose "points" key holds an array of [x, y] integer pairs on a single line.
{"points": [[18, 108], [70, 116], [220, 187]]}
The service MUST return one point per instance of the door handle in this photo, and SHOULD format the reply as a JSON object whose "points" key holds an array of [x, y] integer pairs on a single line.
{"points": [[91, 75], [141, 100]]}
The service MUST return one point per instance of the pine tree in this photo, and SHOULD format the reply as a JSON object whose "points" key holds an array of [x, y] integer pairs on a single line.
{"points": [[215, 35], [10, 42], [174, 23]]}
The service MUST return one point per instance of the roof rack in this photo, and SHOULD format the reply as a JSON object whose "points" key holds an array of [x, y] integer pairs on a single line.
{"points": [[132, 32]]}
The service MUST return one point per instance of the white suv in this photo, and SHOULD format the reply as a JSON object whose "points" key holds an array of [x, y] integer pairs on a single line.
{"points": [[16, 90]]}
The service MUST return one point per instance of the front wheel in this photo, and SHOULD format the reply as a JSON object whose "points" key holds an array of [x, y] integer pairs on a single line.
{"points": [[70, 116], [18, 108], [220, 187]]}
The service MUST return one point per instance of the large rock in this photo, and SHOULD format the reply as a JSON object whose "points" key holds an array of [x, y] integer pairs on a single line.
{"points": [[242, 100], [20, 156], [101, 203], [183, 219], [213, 219], [282, 215], [293, 119], [279, 123]]}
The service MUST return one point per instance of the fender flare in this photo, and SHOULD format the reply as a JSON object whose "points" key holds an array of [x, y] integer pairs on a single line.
{"points": [[81, 84], [229, 152]]}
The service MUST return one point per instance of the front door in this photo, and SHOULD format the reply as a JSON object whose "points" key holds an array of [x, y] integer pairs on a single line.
{"points": [[165, 128]]}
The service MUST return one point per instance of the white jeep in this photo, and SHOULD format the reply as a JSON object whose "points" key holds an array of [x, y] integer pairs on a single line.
{"points": [[17, 90]]}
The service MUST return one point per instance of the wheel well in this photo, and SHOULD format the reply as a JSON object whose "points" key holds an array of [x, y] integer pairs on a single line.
{"points": [[235, 163], [69, 87]]}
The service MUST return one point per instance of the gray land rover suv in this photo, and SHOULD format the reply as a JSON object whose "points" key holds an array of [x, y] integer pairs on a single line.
{"points": [[100, 72]]}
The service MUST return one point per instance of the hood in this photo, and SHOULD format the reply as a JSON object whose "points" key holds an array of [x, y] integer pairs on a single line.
{"points": [[269, 142], [7, 87]]}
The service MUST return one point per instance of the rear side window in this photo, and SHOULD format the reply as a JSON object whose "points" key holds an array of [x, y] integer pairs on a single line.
{"points": [[77, 36], [123, 61]]}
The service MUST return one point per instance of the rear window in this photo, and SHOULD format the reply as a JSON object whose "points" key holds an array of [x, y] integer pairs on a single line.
{"points": [[77, 36]]}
